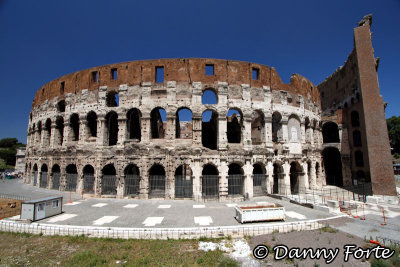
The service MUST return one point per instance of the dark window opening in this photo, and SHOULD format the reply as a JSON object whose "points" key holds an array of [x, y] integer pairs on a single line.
{"points": [[209, 129], [276, 127], [94, 76], [133, 124], [112, 128], [158, 123], [62, 87], [74, 120], [330, 133], [359, 159], [355, 119], [257, 128], [114, 74], [295, 171], [209, 97], [112, 99], [40, 130], [333, 166], [60, 128], [159, 74], [235, 180], [255, 73], [61, 106], [92, 123], [357, 138], [209, 69], [48, 130], [234, 126], [183, 123]]}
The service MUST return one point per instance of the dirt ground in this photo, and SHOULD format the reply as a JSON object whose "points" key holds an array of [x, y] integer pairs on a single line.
{"points": [[9, 207], [326, 237]]}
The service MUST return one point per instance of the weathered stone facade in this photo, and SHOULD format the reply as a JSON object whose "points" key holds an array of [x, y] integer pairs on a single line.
{"points": [[101, 131]]}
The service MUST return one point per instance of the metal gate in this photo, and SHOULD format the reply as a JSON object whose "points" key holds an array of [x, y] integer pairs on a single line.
{"points": [[109, 185], [132, 183], [35, 178], [258, 184], [277, 187], [71, 182], [235, 184], [210, 186], [43, 180], [88, 183], [183, 186], [157, 186], [56, 180]]}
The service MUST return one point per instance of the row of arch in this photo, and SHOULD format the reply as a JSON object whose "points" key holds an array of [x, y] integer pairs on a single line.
{"points": [[107, 181]]}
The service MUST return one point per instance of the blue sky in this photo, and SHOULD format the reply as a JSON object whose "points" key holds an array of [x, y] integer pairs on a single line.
{"points": [[42, 40]]}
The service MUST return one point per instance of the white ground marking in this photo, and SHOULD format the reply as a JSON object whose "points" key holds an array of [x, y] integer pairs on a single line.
{"points": [[203, 220], [164, 206], [231, 205], [105, 219], [131, 206], [61, 218], [151, 221], [72, 203], [293, 214], [263, 203], [199, 206], [99, 205]]}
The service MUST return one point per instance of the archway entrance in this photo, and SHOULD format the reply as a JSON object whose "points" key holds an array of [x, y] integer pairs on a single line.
{"points": [[132, 180], [295, 172], [72, 176], [183, 182], [259, 182], [88, 179], [210, 181], [109, 181], [235, 180], [157, 181], [278, 174], [333, 166], [56, 177], [43, 176]]}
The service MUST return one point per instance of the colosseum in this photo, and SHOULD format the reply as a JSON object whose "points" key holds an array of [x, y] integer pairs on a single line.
{"points": [[210, 129]]}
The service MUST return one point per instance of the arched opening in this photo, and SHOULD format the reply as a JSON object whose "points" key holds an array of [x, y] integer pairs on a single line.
{"points": [[259, 180], [308, 129], [56, 177], [235, 180], [35, 174], [278, 176], [355, 119], [209, 97], [359, 159], [132, 180], [48, 131], [92, 123], [209, 129], [316, 171], [333, 166], [112, 99], [361, 179], [158, 123], [294, 129], [183, 182], [357, 138], [309, 173], [112, 128], [157, 181], [133, 124], [295, 172], [43, 176], [257, 128], [72, 177], [61, 106], [330, 132], [109, 180], [88, 179], [234, 124], [184, 124], [60, 130], [74, 120], [39, 126], [210, 181], [276, 127]]}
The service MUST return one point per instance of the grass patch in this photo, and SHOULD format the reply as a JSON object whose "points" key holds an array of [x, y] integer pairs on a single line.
{"points": [[391, 262], [328, 229]]}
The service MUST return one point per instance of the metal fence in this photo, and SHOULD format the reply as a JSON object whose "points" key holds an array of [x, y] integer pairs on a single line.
{"points": [[235, 184], [43, 180], [210, 186], [259, 188], [161, 233], [183, 186], [109, 185], [7, 196], [157, 186], [132, 184], [71, 181], [56, 180], [88, 183]]}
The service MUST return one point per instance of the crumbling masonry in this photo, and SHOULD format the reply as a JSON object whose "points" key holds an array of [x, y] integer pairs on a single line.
{"points": [[119, 130]]}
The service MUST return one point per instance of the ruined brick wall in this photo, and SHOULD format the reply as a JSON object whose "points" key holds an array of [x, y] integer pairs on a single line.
{"points": [[354, 88]]}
